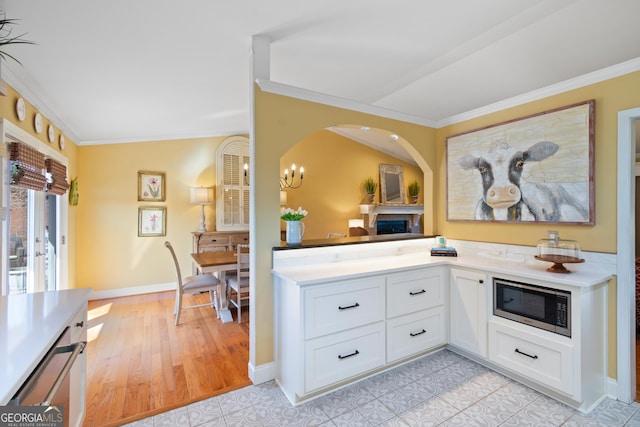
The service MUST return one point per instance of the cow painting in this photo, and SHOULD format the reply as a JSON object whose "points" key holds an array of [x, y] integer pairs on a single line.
{"points": [[508, 196]]}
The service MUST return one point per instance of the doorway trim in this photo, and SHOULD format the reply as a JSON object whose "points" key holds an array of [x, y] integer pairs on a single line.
{"points": [[626, 255]]}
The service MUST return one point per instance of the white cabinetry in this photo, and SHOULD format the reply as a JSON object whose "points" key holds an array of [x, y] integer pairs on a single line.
{"points": [[571, 369], [415, 312], [469, 308], [78, 371], [334, 332]]}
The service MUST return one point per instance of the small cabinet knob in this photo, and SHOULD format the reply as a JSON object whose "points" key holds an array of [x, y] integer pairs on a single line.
{"points": [[80, 324], [481, 281]]}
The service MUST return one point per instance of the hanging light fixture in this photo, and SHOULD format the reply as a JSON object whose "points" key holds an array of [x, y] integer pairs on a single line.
{"points": [[288, 181]]}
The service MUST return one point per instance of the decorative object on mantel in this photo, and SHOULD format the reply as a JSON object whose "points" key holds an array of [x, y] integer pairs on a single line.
{"points": [[370, 187], [295, 228], [201, 196], [558, 251], [288, 181], [391, 185], [414, 191]]}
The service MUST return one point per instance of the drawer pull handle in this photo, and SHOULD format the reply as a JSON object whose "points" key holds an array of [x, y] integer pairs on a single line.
{"points": [[417, 293], [418, 333], [525, 354], [348, 307], [355, 353]]}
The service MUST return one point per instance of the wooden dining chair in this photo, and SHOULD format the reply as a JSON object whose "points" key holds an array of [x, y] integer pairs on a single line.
{"points": [[238, 281], [192, 285]]}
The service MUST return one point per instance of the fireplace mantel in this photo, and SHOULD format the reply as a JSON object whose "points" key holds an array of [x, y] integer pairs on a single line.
{"points": [[415, 211]]}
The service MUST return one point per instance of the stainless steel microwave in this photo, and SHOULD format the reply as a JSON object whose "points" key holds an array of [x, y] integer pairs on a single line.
{"points": [[537, 306]]}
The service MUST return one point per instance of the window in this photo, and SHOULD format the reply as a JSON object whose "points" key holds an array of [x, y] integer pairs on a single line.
{"points": [[232, 189]]}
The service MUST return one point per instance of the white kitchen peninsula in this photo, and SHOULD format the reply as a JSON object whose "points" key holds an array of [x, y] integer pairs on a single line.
{"points": [[313, 358], [31, 324]]}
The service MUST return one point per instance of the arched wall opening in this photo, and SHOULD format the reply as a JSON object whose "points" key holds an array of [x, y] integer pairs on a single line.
{"points": [[335, 168], [281, 122]]}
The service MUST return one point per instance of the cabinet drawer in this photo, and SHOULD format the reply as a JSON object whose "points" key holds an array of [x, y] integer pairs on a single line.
{"points": [[345, 305], [340, 356], [414, 291], [546, 361], [415, 332]]}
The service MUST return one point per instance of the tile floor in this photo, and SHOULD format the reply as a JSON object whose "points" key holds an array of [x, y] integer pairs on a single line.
{"points": [[439, 389]]}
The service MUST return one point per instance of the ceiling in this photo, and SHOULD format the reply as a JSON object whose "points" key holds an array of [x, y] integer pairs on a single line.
{"points": [[122, 70]]}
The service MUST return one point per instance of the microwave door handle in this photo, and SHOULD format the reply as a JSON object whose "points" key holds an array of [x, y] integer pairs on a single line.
{"points": [[75, 350]]}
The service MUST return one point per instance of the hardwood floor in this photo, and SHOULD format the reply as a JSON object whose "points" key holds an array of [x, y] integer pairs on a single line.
{"points": [[139, 363]]}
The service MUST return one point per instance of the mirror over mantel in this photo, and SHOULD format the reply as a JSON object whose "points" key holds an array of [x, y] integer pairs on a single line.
{"points": [[392, 185]]}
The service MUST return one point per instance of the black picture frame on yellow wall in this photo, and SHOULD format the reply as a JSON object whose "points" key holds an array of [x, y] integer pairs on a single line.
{"points": [[534, 169]]}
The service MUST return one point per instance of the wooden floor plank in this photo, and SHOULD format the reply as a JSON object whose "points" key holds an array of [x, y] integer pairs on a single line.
{"points": [[140, 364]]}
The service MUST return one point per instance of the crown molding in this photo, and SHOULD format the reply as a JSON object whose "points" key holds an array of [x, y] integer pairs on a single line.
{"points": [[29, 89], [334, 101], [545, 92]]}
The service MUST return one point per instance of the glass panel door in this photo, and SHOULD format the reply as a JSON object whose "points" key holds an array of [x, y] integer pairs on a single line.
{"points": [[33, 243]]}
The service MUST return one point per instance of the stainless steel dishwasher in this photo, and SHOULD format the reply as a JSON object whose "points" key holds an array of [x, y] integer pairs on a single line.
{"points": [[49, 384]]}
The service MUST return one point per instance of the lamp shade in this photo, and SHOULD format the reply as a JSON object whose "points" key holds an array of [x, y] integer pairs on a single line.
{"points": [[283, 198], [201, 195], [353, 223]]}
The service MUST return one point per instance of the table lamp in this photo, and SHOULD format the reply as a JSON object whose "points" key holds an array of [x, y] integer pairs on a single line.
{"points": [[201, 196]]}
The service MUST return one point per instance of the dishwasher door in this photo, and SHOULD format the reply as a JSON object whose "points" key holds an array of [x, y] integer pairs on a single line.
{"points": [[49, 383]]}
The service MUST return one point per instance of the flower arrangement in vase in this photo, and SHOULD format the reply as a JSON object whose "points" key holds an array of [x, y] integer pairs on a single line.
{"points": [[295, 228]]}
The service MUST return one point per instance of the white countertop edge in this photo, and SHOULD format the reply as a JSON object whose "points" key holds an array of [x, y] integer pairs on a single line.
{"points": [[583, 275], [27, 340]]}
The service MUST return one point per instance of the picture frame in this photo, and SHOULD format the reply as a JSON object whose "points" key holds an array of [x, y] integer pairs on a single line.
{"points": [[534, 169], [392, 185], [152, 221], [151, 186]]}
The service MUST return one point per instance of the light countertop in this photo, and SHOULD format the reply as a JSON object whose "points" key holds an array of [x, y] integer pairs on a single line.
{"points": [[583, 275], [31, 323]]}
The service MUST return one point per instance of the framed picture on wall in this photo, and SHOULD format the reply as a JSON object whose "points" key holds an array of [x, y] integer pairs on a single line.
{"points": [[151, 186], [535, 169], [152, 221]]}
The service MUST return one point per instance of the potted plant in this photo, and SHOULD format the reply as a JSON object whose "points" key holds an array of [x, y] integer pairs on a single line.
{"points": [[414, 191], [370, 187]]}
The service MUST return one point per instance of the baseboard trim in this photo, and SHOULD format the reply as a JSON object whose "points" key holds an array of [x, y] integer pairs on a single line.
{"points": [[134, 290], [611, 388], [262, 373]]}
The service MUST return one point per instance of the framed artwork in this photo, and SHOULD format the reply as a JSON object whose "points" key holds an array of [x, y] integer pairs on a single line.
{"points": [[151, 186], [535, 169], [152, 221]]}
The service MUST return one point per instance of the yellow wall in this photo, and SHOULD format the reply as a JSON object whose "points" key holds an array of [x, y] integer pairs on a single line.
{"points": [[8, 111], [111, 255], [280, 123], [335, 167], [610, 97]]}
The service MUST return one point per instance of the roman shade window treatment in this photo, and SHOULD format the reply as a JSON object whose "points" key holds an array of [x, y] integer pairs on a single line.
{"points": [[30, 169]]}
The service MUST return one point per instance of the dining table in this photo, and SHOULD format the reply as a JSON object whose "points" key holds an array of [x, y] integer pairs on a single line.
{"points": [[218, 263]]}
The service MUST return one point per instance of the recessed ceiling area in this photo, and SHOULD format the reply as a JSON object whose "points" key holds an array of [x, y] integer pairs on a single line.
{"points": [[122, 71]]}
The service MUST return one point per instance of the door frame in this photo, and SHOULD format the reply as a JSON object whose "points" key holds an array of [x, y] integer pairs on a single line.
{"points": [[626, 297], [10, 132]]}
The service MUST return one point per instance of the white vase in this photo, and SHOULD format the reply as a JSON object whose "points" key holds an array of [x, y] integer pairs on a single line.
{"points": [[295, 231]]}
